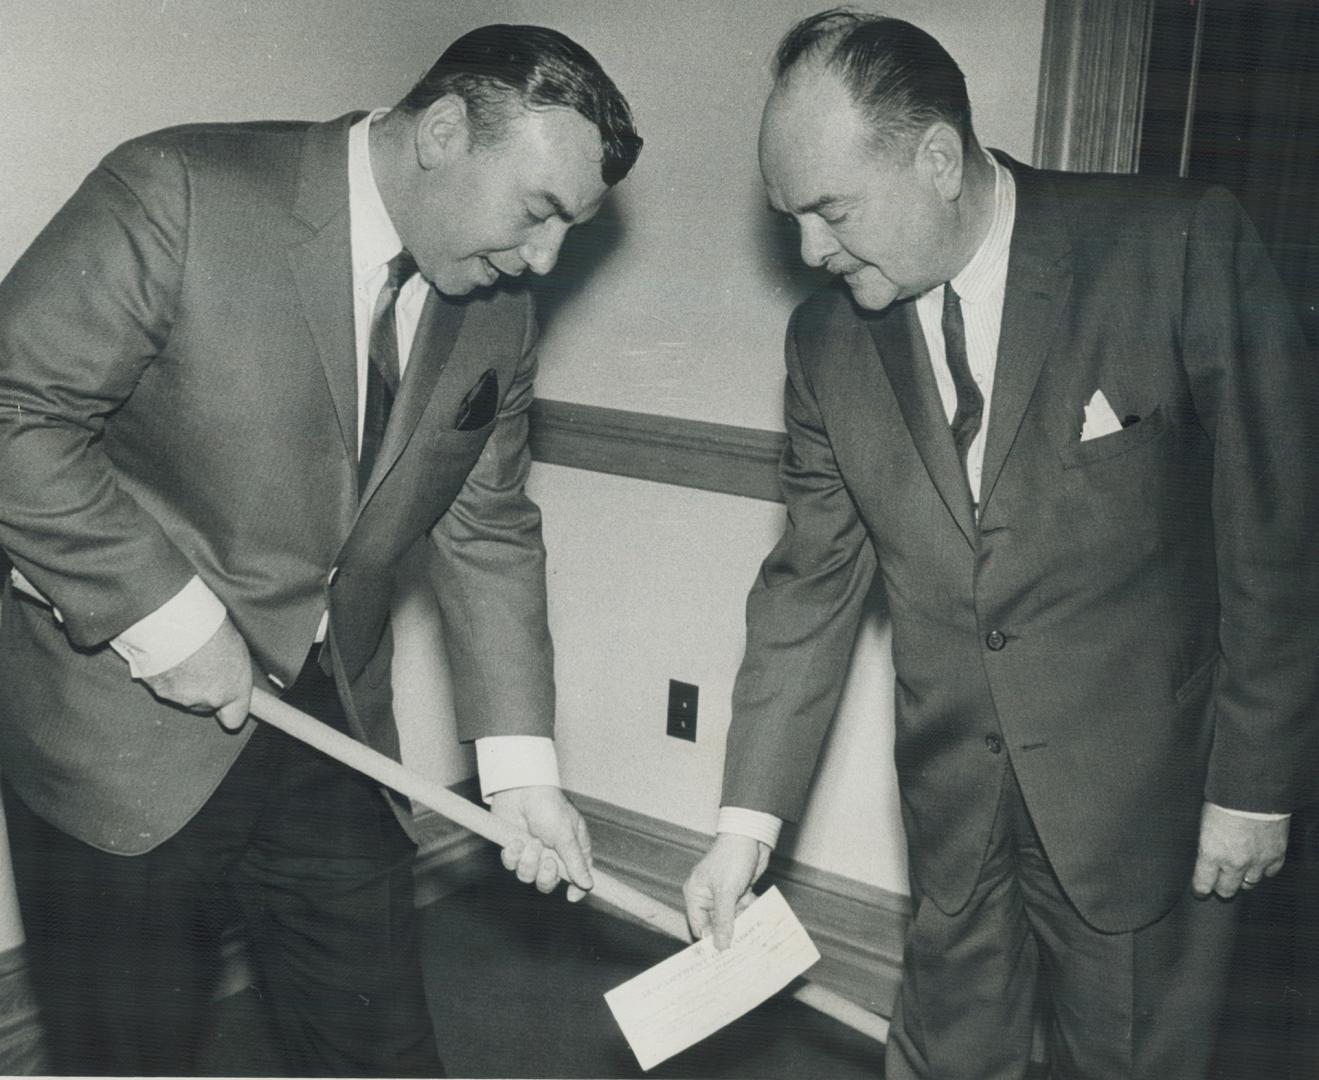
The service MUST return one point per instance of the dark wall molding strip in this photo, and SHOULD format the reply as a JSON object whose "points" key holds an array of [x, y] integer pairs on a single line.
{"points": [[664, 449]]}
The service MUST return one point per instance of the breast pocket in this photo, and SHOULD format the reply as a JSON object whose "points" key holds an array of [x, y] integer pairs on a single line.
{"points": [[1148, 429], [447, 458], [443, 463], [452, 445]]}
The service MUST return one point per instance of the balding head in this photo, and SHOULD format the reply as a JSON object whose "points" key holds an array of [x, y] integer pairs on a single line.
{"points": [[898, 76]]}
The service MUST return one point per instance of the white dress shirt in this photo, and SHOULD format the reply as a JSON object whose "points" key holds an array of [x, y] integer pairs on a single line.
{"points": [[186, 621]]}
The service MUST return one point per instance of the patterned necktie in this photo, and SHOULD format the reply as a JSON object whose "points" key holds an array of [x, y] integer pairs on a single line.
{"points": [[970, 402], [382, 369]]}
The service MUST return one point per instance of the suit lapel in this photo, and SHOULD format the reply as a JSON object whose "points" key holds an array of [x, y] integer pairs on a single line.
{"points": [[322, 266], [437, 330], [901, 344], [1038, 283]]}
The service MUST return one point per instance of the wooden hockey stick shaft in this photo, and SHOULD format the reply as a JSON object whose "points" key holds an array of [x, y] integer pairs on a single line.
{"points": [[437, 797]]}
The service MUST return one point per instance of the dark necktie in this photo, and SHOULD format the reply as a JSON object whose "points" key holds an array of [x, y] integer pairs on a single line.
{"points": [[970, 402], [382, 369]]}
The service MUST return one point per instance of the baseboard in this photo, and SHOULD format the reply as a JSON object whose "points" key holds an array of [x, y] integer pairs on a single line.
{"points": [[858, 928]]}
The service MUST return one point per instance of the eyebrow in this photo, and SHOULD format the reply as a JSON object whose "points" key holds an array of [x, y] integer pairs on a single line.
{"points": [[813, 207], [559, 209]]}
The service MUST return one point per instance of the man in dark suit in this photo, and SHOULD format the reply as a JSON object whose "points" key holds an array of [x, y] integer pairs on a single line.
{"points": [[243, 371], [1071, 423]]}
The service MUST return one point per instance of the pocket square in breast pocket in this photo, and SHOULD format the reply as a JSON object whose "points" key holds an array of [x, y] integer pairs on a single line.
{"points": [[479, 406], [1100, 419]]}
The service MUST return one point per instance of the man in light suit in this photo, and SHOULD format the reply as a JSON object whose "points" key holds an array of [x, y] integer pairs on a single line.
{"points": [[1071, 423], [229, 404]]}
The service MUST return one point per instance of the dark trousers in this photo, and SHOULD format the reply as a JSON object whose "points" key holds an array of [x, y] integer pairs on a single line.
{"points": [[124, 950], [1143, 1005]]}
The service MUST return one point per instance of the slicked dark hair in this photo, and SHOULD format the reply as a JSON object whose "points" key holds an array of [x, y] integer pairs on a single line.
{"points": [[899, 76], [500, 68]]}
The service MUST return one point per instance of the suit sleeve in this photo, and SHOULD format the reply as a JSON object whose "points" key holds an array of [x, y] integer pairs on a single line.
{"points": [[82, 313], [488, 570], [802, 617], [1256, 390]]}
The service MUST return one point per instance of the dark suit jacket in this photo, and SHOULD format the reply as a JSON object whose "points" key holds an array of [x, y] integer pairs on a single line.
{"points": [[1134, 618], [178, 397]]}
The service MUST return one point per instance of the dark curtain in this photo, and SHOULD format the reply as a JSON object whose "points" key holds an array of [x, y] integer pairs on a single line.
{"points": [[1255, 130], [1255, 126]]}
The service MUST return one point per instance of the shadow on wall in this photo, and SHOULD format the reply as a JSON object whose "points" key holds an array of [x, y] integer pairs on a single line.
{"points": [[589, 250], [778, 244], [586, 252]]}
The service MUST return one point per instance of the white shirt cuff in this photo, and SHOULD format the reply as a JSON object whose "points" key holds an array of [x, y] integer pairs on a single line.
{"points": [[1255, 815], [753, 823], [509, 761], [173, 632]]}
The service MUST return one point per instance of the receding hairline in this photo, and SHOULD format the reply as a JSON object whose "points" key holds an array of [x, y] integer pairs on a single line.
{"points": [[917, 74]]}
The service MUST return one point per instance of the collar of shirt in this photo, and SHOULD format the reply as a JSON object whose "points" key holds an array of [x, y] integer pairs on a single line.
{"points": [[373, 241], [373, 237], [986, 274], [983, 280]]}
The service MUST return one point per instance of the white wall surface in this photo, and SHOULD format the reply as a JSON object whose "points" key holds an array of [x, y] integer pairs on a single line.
{"points": [[648, 583], [673, 301], [685, 315], [77, 77]]}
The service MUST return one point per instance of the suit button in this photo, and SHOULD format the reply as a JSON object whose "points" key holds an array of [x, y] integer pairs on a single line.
{"points": [[994, 743], [334, 573], [995, 639]]}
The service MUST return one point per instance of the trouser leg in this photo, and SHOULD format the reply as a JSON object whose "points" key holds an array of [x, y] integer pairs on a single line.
{"points": [[966, 1005], [326, 888], [1142, 1005], [123, 950]]}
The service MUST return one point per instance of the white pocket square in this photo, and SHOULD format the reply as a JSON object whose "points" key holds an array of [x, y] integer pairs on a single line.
{"points": [[1100, 419]]}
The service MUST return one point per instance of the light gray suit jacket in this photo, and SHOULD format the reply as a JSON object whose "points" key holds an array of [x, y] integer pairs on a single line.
{"points": [[178, 397]]}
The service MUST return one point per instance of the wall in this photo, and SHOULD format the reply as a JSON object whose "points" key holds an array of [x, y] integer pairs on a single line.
{"points": [[79, 76], [676, 302], [685, 313], [673, 301]]}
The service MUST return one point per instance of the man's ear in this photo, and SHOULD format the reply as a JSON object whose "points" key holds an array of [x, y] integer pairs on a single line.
{"points": [[441, 131], [939, 154]]}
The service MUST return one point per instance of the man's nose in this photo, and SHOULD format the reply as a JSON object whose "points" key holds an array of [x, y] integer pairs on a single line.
{"points": [[817, 242], [541, 251]]}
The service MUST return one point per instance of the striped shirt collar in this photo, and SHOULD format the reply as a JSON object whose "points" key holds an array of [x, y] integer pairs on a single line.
{"points": [[985, 276]]}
